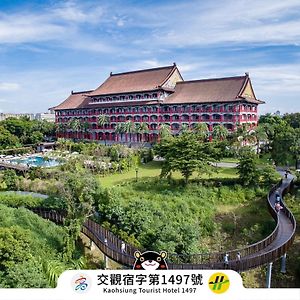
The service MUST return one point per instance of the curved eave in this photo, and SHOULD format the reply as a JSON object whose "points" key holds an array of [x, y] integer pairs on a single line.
{"points": [[251, 100]]}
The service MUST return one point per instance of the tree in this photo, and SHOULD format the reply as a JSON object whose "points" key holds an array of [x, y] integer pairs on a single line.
{"points": [[120, 129], [201, 130], [292, 120], [79, 191], [10, 178], [282, 144], [129, 128], [36, 137], [8, 140], [184, 154], [260, 136], [85, 127], [295, 147], [220, 132], [164, 131], [184, 128], [141, 129], [61, 128], [247, 169], [102, 121], [242, 137], [75, 125], [18, 127]]}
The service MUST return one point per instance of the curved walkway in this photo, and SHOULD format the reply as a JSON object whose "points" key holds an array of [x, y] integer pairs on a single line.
{"points": [[265, 251]]}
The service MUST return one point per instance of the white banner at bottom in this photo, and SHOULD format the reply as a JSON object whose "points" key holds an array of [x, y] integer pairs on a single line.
{"points": [[133, 284]]}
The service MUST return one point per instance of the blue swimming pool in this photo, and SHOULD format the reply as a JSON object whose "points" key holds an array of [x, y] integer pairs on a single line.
{"points": [[37, 161]]}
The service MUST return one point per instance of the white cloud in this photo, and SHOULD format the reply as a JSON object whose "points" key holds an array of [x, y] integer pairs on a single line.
{"points": [[57, 25], [9, 86], [209, 23], [28, 28], [72, 11]]}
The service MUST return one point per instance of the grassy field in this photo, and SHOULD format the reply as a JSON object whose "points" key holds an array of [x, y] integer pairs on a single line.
{"points": [[153, 169]]}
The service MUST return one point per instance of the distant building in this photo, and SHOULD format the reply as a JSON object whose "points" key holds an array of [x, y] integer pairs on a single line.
{"points": [[50, 117], [154, 97], [4, 116]]}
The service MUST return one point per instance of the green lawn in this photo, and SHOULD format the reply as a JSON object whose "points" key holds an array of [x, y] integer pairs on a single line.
{"points": [[153, 169], [229, 160]]}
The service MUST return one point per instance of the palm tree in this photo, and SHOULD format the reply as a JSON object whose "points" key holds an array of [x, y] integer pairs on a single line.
{"points": [[85, 127], [129, 128], [103, 120], [164, 130], [202, 131], [184, 128], [120, 129], [141, 129], [74, 125], [144, 129], [242, 136], [260, 135], [60, 128], [220, 132]]}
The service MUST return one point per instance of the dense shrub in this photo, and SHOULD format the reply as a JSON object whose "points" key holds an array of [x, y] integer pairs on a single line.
{"points": [[17, 200], [26, 242], [160, 216]]}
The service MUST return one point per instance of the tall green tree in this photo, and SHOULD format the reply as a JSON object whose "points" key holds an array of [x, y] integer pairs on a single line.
{"points": [[247, 168], [79, 191], [75, 126], [282, 144], [184, 154], [102, 121], [260, 136], [7, 139], [129, 128], [120, 129], [141, 129], [292, 120]]}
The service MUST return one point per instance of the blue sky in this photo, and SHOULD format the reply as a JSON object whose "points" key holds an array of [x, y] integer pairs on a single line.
{"points": [[48, 48]]}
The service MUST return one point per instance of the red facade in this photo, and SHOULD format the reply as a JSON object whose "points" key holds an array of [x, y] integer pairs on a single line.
{"points": [[129, 98]]}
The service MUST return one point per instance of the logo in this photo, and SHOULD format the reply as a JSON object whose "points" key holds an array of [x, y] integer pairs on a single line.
{"points": [[80, 283], [150, 260], [219, 283]]}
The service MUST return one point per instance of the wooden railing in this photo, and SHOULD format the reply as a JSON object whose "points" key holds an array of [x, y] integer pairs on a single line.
{"points": [[252, 256]]}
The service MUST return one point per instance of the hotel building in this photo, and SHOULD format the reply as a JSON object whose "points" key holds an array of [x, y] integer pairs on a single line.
{"points": [[154, 97]]}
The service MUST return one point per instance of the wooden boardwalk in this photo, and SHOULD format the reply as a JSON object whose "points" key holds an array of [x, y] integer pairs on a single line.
{"points": [[265, 251], [17, 167]]}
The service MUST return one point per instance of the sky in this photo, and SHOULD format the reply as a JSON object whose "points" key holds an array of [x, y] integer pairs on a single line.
{"points": [[50, 47]]}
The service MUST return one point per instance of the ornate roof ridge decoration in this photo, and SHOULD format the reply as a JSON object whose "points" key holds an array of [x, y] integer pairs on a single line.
{"points": [[135, 81], [142, 70]]}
